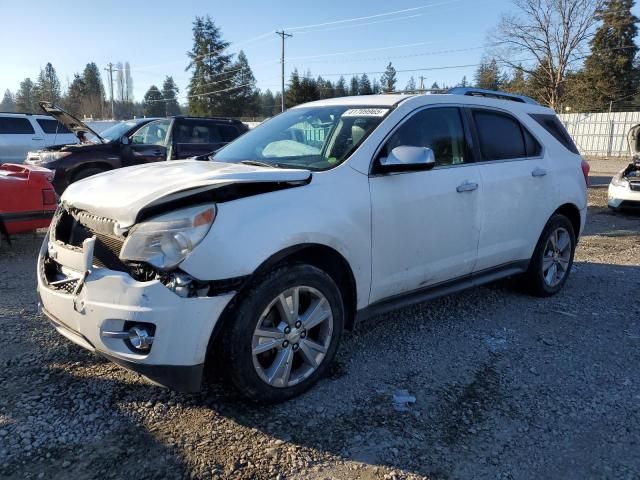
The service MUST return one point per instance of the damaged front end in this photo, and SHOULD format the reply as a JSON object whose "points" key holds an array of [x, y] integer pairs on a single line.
{"points": [[624, 189]]}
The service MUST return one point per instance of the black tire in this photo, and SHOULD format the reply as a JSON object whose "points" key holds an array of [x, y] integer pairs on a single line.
{"points": [[237, 336], [534, 278], [87, 172]]}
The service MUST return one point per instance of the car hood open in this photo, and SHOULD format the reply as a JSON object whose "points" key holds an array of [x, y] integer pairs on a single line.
{"points": [[633, 138], [68, 120], [122, 194]]}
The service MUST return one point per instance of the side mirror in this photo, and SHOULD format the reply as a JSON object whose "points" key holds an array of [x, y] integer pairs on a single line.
{"points": [[406, 158], [124, 140]]}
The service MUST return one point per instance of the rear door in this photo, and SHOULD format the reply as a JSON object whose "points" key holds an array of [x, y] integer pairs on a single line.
{"points": [[55, 133], [195, 136], [515, 188], [17, 137], [148, 144]]}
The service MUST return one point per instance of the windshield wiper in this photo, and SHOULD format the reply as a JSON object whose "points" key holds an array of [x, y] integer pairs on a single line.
{"points": [[258, 163]]}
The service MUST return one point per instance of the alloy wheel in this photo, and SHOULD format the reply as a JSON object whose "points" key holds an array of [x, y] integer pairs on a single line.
{"points": [[557, 256], [292, 336]]}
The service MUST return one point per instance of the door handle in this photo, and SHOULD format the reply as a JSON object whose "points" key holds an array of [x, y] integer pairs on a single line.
{"points": [[538, 172], [37, 138], [467, 187]]}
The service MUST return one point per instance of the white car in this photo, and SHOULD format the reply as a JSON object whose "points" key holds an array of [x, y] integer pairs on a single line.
{"points": [[22, 132], [327, 214], [624, 189]]}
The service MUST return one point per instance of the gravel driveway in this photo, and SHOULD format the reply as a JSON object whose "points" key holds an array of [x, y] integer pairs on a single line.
{"points": [[505, 386]]}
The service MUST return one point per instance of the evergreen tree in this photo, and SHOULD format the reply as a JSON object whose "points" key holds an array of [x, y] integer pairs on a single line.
{"points": [[47, 86], [8, 103], [267, 103], [354, 88], [169, 93], [242, 99], [365, 85], [153, 103], [75, 94], [609, 69], [277, 103], [209, 86], [293, 93], [128, 81], [463, 83], [489, 76], [25, 97], [92, 103], [388, 79], [435, 86], [341, 87], [411, 84], [309, 89], [376, 86], [325, 88], [517, 83]]}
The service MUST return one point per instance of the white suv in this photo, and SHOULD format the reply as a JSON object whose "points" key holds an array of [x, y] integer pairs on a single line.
{"points": [[22, 132], [329, 213]]}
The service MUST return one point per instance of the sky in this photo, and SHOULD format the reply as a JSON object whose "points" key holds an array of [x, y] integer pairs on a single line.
{"points": [[154, 37]]}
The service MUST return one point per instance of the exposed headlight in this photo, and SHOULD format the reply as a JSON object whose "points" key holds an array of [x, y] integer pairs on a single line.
{"points": [[166, 240], [47, 157], [618, 181]]}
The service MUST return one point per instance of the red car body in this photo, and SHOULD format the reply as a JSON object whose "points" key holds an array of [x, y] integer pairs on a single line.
{"points": [[27, 198]]}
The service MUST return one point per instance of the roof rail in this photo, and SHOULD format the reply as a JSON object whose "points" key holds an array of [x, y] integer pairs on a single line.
{"points": [[481, 92]]}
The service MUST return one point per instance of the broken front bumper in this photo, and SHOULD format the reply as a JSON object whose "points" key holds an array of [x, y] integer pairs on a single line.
{"points": [[623, 197], [112, 301]]}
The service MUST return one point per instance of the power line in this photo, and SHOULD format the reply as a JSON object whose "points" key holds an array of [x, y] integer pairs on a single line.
{"points": [[316, 30]]}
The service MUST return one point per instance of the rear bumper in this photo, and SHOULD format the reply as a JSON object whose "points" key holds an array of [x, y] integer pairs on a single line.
{"points": [[113, 301], [623, 197]]}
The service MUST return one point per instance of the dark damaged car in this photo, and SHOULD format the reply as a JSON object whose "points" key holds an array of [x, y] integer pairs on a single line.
{"points": [[129, 143]]}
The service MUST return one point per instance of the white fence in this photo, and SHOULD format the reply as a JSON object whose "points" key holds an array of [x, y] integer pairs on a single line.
{"points": [[601, 134]]}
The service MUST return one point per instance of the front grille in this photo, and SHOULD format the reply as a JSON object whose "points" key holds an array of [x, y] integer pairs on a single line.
{"points": [[635, 186], [74, 229]]}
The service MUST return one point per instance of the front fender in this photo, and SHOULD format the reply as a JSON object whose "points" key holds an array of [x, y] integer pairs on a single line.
{"points": [[333, 210]]}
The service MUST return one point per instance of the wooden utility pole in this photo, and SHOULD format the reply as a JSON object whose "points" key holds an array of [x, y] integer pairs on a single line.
{"points": [[283, 36]]}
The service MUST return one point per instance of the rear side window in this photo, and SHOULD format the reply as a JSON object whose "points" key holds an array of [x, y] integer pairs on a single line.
{"points": [[552, 124], [228, 132], [197, 132], [502, 137], [15, 125], [52, 126]]}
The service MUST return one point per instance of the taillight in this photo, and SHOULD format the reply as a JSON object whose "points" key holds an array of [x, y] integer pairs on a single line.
{"points": [[585, 171], [49, 197]]}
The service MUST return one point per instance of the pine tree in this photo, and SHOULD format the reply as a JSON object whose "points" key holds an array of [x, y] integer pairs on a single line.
{"points": [[25, 97], [92, 103], [153, 103], [388, 79], [463, 83], [293, 93], [75, 94], [169, 93], [489, 76], [267, 102], [47, 86], [309, 89], [354, 88], [376, 86], [411, 84], [325, 88], [517, 83], [609, 69], [242, 99], [341, 87], [8, 103], [209, 85], [365, 85]]}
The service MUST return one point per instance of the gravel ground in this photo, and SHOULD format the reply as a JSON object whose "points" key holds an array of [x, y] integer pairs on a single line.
{"points": [[506, 386]]}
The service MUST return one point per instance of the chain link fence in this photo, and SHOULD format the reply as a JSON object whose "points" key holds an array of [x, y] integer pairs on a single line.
{"points": [[601, 134]]}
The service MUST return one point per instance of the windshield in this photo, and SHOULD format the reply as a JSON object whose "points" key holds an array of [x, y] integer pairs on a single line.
{"points": [[315, 138], [115, 132]]}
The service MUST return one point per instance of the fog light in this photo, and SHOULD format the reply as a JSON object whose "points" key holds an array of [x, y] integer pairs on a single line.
{"points": [[140, 338]]}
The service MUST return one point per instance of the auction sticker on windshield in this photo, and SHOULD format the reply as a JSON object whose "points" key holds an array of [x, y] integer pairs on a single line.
{"points": [[365, 112]]}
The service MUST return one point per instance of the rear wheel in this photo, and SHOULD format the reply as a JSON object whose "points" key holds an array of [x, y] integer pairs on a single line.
{"points": [[284, 333], [553, 257], [87, 172]]}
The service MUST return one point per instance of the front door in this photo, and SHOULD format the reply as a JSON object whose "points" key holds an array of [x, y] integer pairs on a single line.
{"points": [[147, 144], [425, 224]]}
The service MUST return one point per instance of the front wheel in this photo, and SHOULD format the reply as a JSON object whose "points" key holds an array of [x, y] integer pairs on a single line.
{"points": [[552, 258], [284, 333]]}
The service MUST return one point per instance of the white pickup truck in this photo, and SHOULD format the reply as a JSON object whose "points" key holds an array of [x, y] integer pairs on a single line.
{"points": [[23, 132]]}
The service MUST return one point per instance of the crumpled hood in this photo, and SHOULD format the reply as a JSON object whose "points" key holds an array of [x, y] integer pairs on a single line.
{"points": [[120, 194]]}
